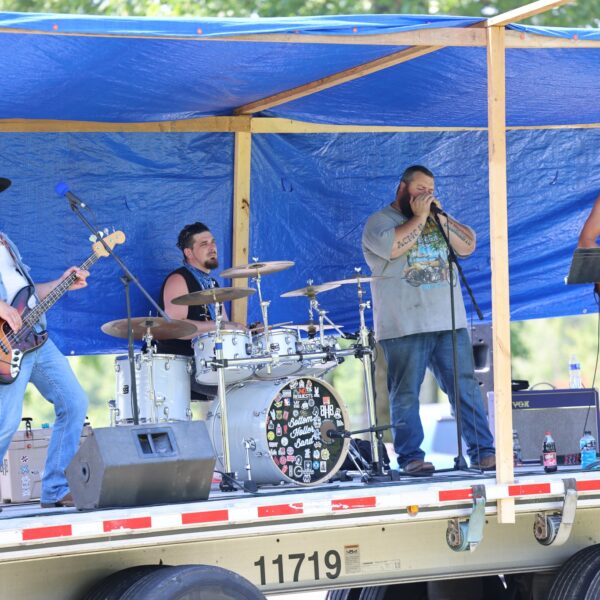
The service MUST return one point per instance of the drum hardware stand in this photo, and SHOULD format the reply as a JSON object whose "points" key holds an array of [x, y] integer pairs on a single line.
{"points": [[249, 485], [460, 464], [264, 310], [363, 353], [127, 277]]}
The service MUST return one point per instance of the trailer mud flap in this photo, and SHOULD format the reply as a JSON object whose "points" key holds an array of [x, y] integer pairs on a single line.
{"points": [[467, 534], [555, 529]]}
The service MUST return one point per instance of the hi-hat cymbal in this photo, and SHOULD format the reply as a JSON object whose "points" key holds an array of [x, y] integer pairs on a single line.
{"points": [[256, 268], [315, 326], [212, 295], [356, 279], [311, 290], [159, 328]]}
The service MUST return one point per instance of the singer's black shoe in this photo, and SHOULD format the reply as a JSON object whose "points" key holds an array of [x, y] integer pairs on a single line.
{"points": [[65, 501], [486, 463]]}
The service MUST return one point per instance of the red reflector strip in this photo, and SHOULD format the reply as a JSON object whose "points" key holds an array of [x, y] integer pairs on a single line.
{"points": [[453, 495], [588, 486], [530, 489], [137, 523], [350, 503], [40, 533], [281, 510], [207, 516]]}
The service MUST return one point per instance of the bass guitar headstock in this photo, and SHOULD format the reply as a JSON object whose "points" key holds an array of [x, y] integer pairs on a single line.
{"points": [[111, 240]]}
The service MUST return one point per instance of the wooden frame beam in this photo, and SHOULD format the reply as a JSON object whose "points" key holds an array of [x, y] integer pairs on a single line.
{"points": [[499, 266], [448, 36], [241, 217], [336, 79], [524, 12]]}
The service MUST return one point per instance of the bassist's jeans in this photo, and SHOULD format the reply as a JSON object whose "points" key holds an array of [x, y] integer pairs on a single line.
{"points": [[51, 373]]}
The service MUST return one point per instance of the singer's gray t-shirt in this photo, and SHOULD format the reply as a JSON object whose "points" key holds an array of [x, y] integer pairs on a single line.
{"points": [[415, 295]]}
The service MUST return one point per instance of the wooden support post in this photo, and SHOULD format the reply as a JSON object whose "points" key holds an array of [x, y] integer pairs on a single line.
{"points": [[499, 261], [241, 218]]}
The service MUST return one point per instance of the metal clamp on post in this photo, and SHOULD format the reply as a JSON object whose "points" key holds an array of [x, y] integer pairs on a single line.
{"points": [[467, 534], [555, 529]]}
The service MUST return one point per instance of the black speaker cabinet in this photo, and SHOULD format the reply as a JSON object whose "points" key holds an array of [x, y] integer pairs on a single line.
{"points": [[564, 413], [481, 340], [135, 465]]}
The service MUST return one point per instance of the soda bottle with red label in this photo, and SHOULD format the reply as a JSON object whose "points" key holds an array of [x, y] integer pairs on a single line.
{"points": [[549, 453]]}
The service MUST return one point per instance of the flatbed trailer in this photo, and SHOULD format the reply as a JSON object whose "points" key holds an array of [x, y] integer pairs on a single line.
{"points": [[339, 535]]}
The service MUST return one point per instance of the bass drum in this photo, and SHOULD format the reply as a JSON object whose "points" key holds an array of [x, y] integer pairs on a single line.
{"points": [[281, 428]]}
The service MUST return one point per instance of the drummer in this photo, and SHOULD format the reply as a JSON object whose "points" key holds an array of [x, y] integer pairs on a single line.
{"points": [[200, 257]]}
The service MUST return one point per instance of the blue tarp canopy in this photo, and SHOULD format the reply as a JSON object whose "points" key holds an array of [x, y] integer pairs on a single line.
{"points": [[310, 192]]}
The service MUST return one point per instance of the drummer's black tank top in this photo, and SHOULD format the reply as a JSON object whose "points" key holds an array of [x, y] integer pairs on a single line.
{"points": [[197, 313]]}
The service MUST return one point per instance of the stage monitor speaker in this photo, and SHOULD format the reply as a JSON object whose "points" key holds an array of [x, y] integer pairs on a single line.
{"points": [[565, 413], [135, 465]]}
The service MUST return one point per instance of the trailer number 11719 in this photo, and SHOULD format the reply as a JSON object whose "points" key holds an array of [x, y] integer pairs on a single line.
{"points": [[331, 566]]}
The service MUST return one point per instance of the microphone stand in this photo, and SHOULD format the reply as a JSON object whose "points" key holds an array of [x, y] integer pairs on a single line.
{"points": [[460, 464], [127, 277]]}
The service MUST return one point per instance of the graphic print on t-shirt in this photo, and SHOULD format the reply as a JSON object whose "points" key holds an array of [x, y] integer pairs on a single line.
{"points": [[427, 262]]}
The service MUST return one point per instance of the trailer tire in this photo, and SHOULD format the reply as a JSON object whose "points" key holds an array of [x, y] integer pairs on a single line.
{"points": [[576, 575], [344, 594], [113, 586], [193, 582], [593, 590]]}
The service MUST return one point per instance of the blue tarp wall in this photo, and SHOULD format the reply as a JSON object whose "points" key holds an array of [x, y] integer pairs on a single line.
{"points": [[310, 194]]}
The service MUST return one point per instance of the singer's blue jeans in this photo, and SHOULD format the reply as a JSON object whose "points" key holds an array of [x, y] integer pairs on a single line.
{"points": [[407, 358], [51, 373]]}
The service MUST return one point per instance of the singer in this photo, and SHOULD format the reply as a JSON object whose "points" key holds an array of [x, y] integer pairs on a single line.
{"points": [[412, 317]]}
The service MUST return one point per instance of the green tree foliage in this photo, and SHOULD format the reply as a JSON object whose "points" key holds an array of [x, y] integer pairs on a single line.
{"points": [[582, 14]]}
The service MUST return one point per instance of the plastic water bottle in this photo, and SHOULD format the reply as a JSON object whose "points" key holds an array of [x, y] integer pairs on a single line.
{"points": [[574, 373], [587, 445], [549, 453], [517, 454]]}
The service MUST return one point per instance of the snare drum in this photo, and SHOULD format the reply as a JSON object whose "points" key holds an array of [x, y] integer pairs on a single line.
{"points": [[163, 388], [236, 344], [278, 426], [282, 342]]}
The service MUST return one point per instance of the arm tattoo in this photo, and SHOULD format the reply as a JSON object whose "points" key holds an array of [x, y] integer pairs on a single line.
{"points": [[409, 238], [459, 233]]}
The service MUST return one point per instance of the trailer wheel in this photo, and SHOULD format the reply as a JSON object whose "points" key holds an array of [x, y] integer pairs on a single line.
{"points": [[113, 586], [576, 575], [344, 594], [593, 591], [193, 582]]}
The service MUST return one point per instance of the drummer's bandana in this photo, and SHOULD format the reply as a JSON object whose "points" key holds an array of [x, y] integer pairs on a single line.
{"points": [[205, 281]]}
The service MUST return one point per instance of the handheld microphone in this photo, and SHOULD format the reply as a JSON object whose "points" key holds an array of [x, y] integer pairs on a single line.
{"points": [[62, 189], [436, 210]]}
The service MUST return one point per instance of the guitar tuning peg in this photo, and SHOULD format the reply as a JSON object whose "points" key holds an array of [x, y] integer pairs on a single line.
{"points": [[105, 230], [93, 238]]}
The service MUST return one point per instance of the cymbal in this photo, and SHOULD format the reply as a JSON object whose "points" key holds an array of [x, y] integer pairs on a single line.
{"points": [[356, 279], [311, 290], [315, 326], [159, 327], [256, 268], [212, 295]]}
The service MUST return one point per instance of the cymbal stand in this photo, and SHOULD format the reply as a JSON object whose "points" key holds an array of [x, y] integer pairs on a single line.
{"points": [[225, 484], [148, 337], [264, 311]]}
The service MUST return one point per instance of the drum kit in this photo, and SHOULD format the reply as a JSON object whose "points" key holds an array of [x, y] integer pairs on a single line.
{"points": [[274, 419]]}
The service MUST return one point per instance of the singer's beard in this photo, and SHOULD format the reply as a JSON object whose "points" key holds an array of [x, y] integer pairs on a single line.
{"points": [[404, 203], [211, 263]]}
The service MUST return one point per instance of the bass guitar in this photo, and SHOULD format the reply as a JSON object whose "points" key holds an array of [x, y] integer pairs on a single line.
{"points": [[14, 345]]}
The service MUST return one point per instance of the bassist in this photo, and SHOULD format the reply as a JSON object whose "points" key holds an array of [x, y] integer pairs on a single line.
{"points": [[47, 369]]}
